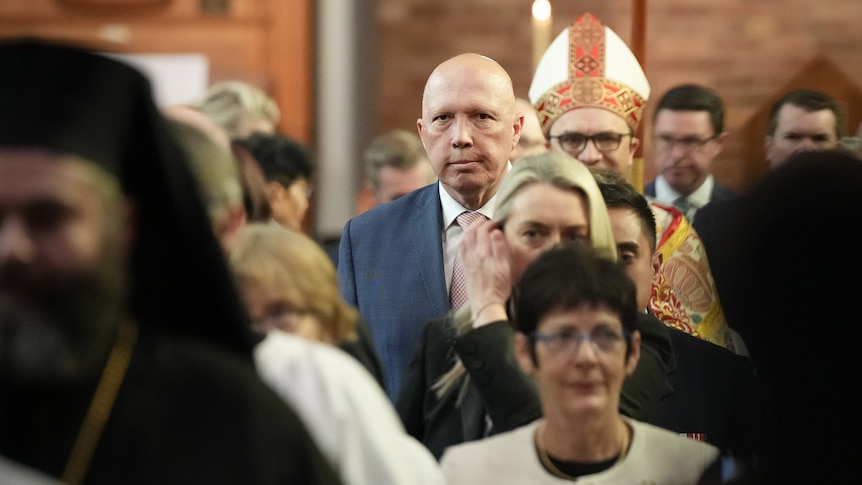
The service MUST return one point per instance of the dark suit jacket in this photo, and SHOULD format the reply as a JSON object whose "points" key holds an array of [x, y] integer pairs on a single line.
{"points": [[497, 387], [390, 266], [710, 392], [682, 383], [721, 193], [718, 227]]}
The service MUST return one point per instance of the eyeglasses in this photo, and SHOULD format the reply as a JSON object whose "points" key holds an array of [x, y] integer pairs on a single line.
{"points": [[576, 142], [689, 144], [282, 317], [569, 340]]}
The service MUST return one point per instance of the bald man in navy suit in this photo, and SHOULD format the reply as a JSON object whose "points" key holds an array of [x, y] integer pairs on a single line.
{"points": [[395, 261]]}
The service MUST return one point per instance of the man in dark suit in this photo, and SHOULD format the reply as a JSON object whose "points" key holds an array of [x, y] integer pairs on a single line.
{"points": [[688, 133], [395, 261], [709, 388]]}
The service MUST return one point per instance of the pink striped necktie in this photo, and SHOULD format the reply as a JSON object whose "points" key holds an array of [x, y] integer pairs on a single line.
{"points": [[458, 288]]}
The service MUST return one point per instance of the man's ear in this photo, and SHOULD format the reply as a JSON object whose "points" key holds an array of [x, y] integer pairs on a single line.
{"points": [[517, 126], [635, 143], [720, 140], [634, 354], [523, 354]]}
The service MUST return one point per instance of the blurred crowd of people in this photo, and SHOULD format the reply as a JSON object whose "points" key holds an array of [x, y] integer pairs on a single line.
{"points": [[505, 307]]}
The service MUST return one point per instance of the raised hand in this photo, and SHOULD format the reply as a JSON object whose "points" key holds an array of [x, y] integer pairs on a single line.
{"points": [[486, 265]]}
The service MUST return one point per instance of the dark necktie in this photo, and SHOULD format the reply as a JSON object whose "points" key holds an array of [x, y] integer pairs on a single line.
{"points": [[685, 206]]}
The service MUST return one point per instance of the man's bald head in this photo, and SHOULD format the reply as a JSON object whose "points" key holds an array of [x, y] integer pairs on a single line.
{"points": [[487, 70], [469, 126]]}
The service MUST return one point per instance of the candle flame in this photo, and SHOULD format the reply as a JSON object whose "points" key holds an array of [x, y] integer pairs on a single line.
{"points": [[541, 9]]}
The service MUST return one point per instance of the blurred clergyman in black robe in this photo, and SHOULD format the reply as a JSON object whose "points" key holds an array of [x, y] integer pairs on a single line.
{"points": [[124, 353]]}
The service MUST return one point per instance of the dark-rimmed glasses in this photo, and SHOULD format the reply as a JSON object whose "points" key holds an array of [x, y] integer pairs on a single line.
{"points": [[606, 141], [689, 144]]}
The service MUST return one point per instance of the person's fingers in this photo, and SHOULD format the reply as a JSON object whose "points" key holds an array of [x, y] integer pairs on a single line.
{"points": [[475, 239], [498, 246]]}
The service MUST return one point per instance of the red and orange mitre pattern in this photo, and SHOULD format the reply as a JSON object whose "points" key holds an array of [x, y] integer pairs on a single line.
{"points": [[589, 65]]}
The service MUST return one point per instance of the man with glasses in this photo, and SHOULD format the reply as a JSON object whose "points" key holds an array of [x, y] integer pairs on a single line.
{"points": [[688, 133], [590, 92]]}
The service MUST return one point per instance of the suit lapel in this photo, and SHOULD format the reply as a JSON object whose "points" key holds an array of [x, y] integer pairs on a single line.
{"points": [[671, 377], [667, 398], [424, 230]]}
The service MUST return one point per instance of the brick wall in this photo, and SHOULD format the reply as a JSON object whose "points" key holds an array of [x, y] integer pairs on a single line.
{"points": [[747, 50]]}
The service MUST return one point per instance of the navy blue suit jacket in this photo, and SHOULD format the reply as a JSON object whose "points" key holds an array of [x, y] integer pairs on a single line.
{"points": [[720, 193], [390, 266]]}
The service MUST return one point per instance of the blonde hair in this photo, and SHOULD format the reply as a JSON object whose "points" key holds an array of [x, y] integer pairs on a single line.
{"points": [[236, 105], [214, 168], [563, 172], [278, 257]]}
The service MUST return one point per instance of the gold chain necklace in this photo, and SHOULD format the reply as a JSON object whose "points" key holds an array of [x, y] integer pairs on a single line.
{"points": [[100, 407], [549, 464]]}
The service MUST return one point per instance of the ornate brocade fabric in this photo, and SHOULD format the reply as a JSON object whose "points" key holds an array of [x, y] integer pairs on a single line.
{"points": [[587, 85], [685, 297]]}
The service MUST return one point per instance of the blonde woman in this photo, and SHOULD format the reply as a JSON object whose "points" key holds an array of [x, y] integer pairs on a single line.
{"points": [[288, 285], [240, 108], [544, 201]]}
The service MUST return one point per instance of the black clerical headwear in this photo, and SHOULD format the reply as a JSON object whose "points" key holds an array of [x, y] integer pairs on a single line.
{"points": [[72, 100]]}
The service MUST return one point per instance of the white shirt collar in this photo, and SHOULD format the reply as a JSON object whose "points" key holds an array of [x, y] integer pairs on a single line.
{"points": [[699, 198], [452, 208]]}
